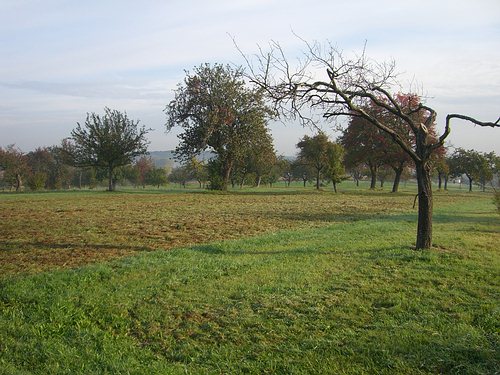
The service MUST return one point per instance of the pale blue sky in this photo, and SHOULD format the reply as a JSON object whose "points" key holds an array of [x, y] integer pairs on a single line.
{"points": [[62, 59]]}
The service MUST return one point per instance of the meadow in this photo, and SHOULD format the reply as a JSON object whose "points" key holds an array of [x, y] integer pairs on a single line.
{"points": [[278, 281]]}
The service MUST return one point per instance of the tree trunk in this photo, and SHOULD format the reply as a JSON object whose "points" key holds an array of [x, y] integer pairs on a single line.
{"points": [[445, 182], [19, 182], [259, 179], [317, 179], [397, 179], [110, 178], [335, 187], [440, 178], [226, 170], [470, 182], [373, 173], [424, 226]]}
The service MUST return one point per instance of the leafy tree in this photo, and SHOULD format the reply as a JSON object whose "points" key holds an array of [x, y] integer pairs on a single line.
{"points": [[261, 157], [364, 145], [156, 177], [286, 168], [372, 146], [473, 164], [143, 166], [335, 170], [49, 169], [84, 177], [347, 87], [442, 167], [302, 172], [275, 173], [180, 175], [14, 164], [314, 151], [41, 163], [217, 110], [198, 170], [108, 141]]}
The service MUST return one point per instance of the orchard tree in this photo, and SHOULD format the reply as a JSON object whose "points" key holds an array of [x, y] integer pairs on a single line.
{"points": [[14, 165], [156, 176], [442, 167], [180, 175], [302, 172], [364, 145], [475, 165], [261, 157], [106, 141], [329, 84], [144, 165], [198, 170], [335, 170], [314, 151], [217, 110], [41, 164]]}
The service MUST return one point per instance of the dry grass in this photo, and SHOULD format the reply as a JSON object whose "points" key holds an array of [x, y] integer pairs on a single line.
{"points": [[43, 231]]}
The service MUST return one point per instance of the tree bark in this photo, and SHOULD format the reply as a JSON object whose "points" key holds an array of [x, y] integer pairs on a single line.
{"points": [[111, 185], [397, 179], [424, 226], [446, 182], [259, 179], [440, 178], [19, 182], [373, 173], [227, 168], [335, 187], [470, 182]]}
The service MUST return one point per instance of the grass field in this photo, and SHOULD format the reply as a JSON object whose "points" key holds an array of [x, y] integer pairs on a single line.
{"points": [[259, 281]]}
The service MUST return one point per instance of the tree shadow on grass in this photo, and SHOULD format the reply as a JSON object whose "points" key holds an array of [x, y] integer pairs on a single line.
{"points": [[16, 245]]}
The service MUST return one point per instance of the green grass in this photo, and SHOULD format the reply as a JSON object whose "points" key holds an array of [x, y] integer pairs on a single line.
{"points": [[328, 296]]}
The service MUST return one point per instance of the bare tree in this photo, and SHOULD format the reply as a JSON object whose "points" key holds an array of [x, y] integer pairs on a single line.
{"points": [[327, 83]]}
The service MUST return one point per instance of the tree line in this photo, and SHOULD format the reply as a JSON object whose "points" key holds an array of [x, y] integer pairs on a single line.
{"points": [[219, 111]]}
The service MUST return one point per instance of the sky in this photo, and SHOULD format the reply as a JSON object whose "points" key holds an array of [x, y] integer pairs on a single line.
{"points": [[63, 59]]}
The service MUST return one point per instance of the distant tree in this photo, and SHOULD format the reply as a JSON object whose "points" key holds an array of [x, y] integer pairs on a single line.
{"points": [[217, 111], [487, 168], [314, 151], [14, 164], [335, 169], [156, 177], [143, 166], [198, 170], [471, 163], [108, 141], [41, 162], [180, 175], [275, 173], [85, 176], [357, 172], [286, 168], [442, 168], [302, 172], [364, 145], [261, 157]]}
